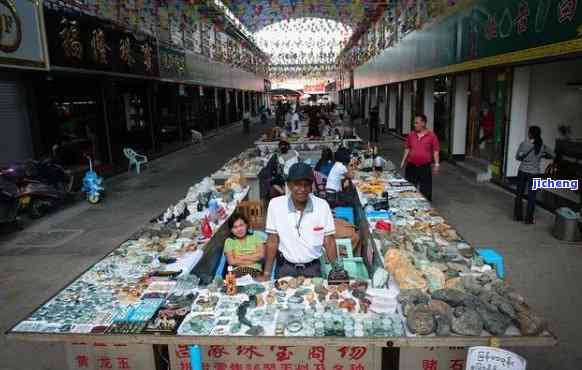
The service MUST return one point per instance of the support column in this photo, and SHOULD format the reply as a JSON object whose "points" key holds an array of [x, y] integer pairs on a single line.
{"points": [[429, 102], [217, 114], [518, 118], [406, 108], [236, 104], [383, 105], [461, 115], [392, 107], [105, 112]]}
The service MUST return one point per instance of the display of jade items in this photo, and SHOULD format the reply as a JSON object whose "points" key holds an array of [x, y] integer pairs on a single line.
{"points": [[446, 289], [291, 307], [134, 288]]}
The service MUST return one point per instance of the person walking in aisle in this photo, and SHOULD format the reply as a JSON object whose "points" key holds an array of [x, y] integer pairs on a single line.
{"points": [[374, 124], [421, 148], [530, 153]]}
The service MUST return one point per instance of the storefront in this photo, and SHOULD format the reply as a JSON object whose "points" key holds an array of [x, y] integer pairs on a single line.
{"points": [[489, 108], [169, 132], [22, 51], [549, 95], [443, 111]]}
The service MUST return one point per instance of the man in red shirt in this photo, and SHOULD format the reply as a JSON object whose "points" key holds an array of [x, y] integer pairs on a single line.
{"points": [[421, 147]]}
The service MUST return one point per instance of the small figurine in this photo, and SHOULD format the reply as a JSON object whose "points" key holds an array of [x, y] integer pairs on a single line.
{"points": [[230, 282], [338, 275]]}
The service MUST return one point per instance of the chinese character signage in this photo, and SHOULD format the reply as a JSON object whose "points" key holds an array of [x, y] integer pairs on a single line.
{"points": [[172, 64], [277, 358], [484, 358], [315, 88], [531, 28], [21, 38], [98, 356], [442, 358], [81, 41]]}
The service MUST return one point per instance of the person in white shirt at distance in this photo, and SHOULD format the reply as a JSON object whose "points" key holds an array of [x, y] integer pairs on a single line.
{"points": [[300, 229], [341, 171]]}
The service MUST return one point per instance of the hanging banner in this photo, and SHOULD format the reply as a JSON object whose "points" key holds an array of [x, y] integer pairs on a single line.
{"points": [[315, 88], [21, 34], [277, 357]]}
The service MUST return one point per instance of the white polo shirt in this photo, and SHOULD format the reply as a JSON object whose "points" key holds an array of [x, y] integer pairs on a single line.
{"points": [[336, 176], [300, 235]]}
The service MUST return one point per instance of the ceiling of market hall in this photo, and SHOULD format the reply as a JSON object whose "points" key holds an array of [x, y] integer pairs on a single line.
{"points": [[256, 14]]}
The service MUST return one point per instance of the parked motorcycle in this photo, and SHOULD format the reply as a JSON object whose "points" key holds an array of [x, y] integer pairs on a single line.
{"points": [[9, 202], [42, 185], [46, 171], [38, 198], [92, 185]]}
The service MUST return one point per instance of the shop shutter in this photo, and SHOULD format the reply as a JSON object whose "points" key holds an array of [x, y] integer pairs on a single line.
{"points": [[15, 140], [9, 113]]}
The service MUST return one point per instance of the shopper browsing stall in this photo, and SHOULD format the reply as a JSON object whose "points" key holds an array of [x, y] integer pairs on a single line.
{"points": [[300, 228], [326, 162], [421, 147], [244, 250], [341, 171]]}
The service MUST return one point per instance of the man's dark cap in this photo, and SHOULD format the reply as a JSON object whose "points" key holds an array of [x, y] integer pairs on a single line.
{"points": [[300, 171]]}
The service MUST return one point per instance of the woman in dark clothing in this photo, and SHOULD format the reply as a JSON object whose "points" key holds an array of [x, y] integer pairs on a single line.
{"points": [[530, 153], [326, 162], [313, 131]]}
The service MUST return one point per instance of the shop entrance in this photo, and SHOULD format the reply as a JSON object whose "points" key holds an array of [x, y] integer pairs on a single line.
{"points": [[443, 112], [129, 112], [488, 113], [71, 125], [232, 106], [168, 131], [399, 108], [222, 107]]}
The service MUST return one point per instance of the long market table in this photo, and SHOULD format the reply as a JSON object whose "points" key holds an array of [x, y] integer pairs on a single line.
{"points": [[411, 346]]}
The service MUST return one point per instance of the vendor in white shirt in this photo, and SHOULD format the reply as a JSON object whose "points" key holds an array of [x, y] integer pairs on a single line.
{"points": [[341, 172], [300, 228]]}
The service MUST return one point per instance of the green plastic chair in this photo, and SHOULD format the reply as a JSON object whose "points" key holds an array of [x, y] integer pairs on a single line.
{"points": [[134, 159], [354, 266]]}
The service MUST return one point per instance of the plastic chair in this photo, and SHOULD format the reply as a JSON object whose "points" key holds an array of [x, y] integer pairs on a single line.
{"points": [[134, 159]]}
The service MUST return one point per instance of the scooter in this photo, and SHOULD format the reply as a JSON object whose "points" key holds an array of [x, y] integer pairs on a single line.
{"points": [[92, 185], [46, 171], [42, 185], [9, 202]]}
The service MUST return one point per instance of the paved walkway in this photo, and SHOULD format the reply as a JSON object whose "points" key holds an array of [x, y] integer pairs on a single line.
{"points": [[546, 271], [543, 269]]}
